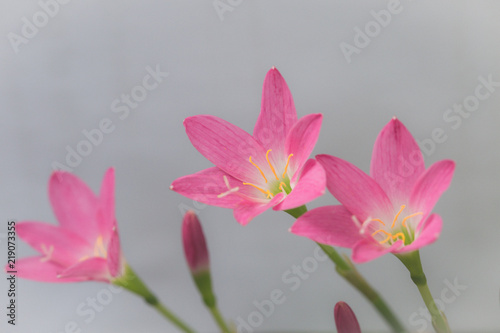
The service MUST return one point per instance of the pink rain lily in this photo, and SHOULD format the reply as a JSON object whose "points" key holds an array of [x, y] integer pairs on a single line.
{"points": [[85, 245], [254, 173], [345, 319], [388, 211]]}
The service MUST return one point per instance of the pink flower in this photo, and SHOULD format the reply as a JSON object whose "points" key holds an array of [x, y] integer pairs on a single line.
{"points": [[195, 246], [388, 211], [85, 245], [254, 173], [345, 319]]}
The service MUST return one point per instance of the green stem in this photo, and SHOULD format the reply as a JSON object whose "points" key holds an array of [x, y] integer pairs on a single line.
{"points": [[413, 263], [338, 260], [219, 320], [130, 281], [203, 282], [297, 212], [173, 318], [348, 271]]}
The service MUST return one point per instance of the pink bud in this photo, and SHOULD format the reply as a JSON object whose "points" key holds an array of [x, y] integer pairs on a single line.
{"points": [[345, 319], [195, 247]]}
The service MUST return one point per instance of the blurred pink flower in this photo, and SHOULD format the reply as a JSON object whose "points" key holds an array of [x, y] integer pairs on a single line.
{"points": [[195, 246], [345, 319], [388, 211], [85, 245], [254, 173]]}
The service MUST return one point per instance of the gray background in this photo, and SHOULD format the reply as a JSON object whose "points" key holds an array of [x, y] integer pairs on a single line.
{"points": [[63, 81]]}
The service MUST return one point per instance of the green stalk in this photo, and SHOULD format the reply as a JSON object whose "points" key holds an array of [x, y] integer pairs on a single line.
{"points": [[173, 318], [413, 263], [130, 281], [219, 319], [348, 271], [203, 281]]}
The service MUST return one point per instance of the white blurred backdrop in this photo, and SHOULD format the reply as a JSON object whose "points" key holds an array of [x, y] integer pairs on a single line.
{"points": [[65, 65]]}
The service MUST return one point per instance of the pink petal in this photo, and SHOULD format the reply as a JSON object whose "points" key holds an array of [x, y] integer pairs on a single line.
{"points": [[431, 185], [207, 185], [357, 191], [301, 139], [397, 161], [227, 146], [60, 245], [368, 249], [330, 225], [311, 185], [95, 269], [74, 204], [115, 261], [345, 319], [429, 234], [107, 204], [277, 115], [247, 210], [33, 268]]}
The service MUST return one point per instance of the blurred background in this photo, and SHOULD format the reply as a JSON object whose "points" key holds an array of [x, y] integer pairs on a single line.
{"points": [[67, 67]]}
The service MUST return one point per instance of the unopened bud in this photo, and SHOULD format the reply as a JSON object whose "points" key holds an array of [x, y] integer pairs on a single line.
{"points": [[345, 319], [195, 249], [195, 246]]}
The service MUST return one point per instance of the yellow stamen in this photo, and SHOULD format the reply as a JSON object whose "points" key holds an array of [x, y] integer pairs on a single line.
{"points": [[262, 173], [379, 220], [397, 215], [395, 237], [265, 192], [99, 249], [410, 216], [270, 165], [286, 166], [282, 185], [385, 232], [399, 235]]}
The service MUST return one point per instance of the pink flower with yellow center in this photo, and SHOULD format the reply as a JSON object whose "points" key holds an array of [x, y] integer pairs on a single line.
{"points": [[388, 211], [85, 244], [253, 173]]}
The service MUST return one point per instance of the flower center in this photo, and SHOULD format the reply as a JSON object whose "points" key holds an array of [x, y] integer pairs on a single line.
{"points": [[99, 250], [273, 185], [396, 231]]}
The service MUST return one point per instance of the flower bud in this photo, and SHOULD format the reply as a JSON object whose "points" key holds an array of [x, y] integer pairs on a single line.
{"points": [[345, 319], [195, 247]]}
